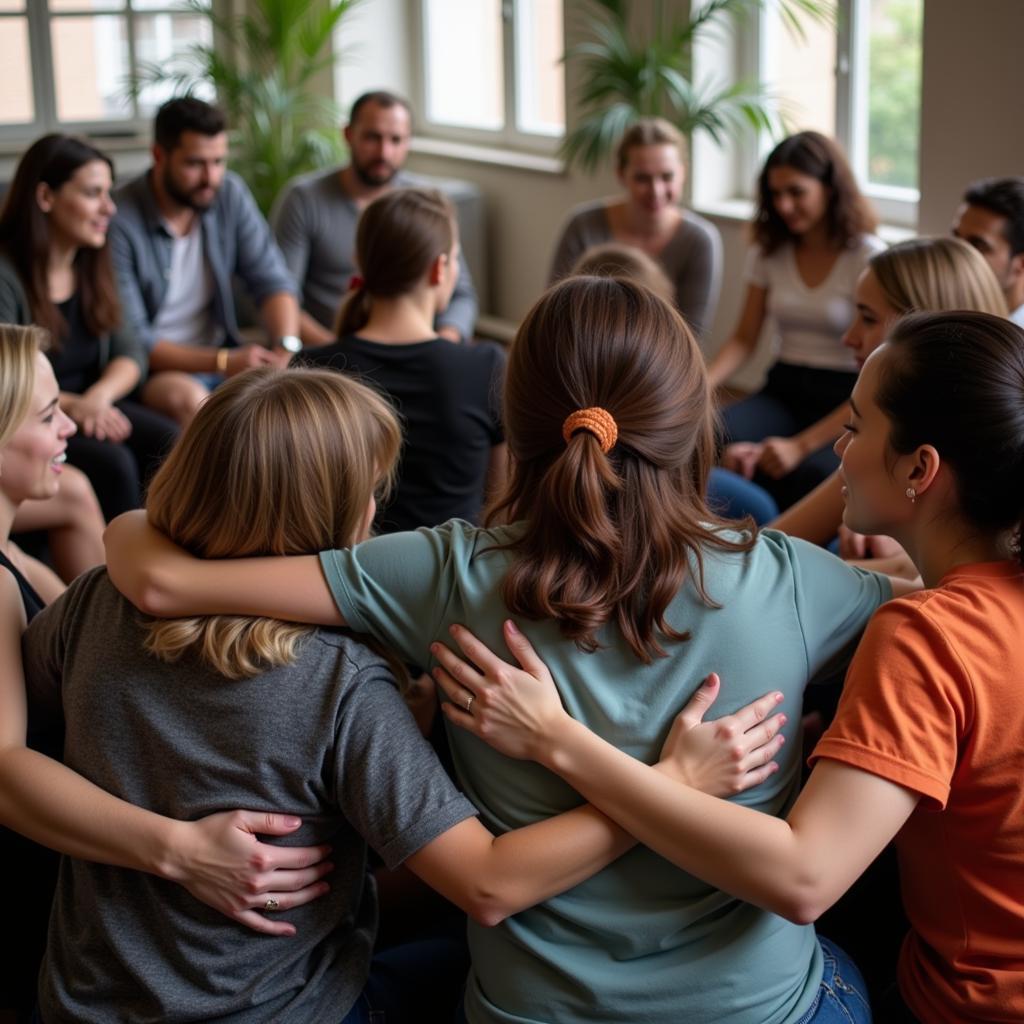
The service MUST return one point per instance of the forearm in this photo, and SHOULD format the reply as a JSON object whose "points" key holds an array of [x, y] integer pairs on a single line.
{"points": [[312, 332], [825, 431], [117, 380], [729, 358], [168, 355], [816, 517], [280, 315]]}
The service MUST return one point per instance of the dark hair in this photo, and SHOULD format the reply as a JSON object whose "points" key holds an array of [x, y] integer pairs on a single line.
{"points": [[1004, 196], [186, 114], [398, 237], [25, 237], [611, 537], [380, 97], [956, 381], [848, 216]]}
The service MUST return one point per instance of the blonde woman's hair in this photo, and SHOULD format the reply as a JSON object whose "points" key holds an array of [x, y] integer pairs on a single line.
{"points": [[276, 462], [933, 275], [613, 259], [18, 348], [649, 131]]}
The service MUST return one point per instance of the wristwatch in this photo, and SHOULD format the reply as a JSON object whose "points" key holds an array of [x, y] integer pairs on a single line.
{"points": [[290, 343]]}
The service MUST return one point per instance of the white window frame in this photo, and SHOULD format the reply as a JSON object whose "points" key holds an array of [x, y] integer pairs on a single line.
{"points": [[510, 137], [44, 87]]}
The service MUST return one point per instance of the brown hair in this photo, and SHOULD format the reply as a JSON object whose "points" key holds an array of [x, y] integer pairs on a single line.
{"points": [[276, 462], [955, 380], [611, 537], [613, 259], [18, 348], [25, 237], [398, 237], [848, 216], [935, 274], [649, 131]]}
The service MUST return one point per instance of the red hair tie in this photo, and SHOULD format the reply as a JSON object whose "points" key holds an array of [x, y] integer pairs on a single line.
{"points": [[355, 283], [596, 421]]}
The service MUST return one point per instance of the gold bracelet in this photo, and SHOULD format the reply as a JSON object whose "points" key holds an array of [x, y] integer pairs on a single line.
{"points": [[222, 360]]}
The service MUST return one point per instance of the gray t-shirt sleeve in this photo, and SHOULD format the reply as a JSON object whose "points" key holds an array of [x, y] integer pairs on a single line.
{"points": [[462, 307], [388, 781], [133, 305], [834, 600], [698, 276], [576, 236], [288, 220]]}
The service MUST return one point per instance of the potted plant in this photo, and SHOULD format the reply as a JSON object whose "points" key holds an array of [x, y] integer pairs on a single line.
{"points": [[263, 65], [623, 77]]}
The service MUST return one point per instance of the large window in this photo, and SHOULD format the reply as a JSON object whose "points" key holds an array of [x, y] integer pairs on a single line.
{"points": [[67, 63], [491, 72]]}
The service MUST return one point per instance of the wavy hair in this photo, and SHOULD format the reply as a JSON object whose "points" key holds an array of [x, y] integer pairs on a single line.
{"points": [[18, 348], [612, 537], [25, 237], [276, 462]]}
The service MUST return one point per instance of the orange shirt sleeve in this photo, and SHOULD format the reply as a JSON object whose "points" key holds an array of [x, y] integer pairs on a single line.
{"points": [[906, 703]]}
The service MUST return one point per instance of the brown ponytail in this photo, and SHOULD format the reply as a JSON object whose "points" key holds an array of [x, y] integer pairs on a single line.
{"points": [[398, 237], [611, 537]]}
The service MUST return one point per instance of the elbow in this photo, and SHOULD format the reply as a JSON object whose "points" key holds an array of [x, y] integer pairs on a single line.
{"points": [[487, 909], [805, 900]]}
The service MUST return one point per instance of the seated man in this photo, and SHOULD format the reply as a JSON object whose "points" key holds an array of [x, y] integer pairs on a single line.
{"points": [[182, 231], [315, 219]]}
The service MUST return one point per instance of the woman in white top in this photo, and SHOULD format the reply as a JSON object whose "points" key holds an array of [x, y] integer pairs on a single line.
{"points": [[813, 238]]}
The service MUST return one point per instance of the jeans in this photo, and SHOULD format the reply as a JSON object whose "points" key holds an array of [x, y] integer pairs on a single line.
{"points": [[842, 994], [734, 497]]}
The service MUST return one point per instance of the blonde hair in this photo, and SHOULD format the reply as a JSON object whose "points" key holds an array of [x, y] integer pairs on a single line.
{"points": [[937, 275], [276, 462], [649, 131], [613, 259], [18, 348]]}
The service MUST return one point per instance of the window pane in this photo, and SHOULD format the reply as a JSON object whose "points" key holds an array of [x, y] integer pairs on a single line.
{"points": [[801, 73], [86, 5], [12, 5], [159, 5], [158, 39], [90, 60], [540, 82], [465, 78], [16, 105], [894, 91]]}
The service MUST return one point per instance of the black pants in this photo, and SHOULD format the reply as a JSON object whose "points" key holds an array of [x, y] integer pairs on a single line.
{"points": [[119, 472], [792, 399]]}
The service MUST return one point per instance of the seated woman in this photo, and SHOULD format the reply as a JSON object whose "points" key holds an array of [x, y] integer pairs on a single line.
{"points": [[922, 275], [926, 745], [189, 716], [651, 169], [813, 234], [55, 271], [632, 588], [407, 250]]}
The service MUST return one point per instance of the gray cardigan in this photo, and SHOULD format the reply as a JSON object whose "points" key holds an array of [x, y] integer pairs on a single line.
{"points": [[14, 309]]}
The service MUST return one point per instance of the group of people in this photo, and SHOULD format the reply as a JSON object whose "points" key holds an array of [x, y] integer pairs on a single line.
{"points": [[210, 727]]}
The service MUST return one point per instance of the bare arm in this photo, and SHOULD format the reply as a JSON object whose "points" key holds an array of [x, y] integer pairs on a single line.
{"points": [[816, 516], [163, 580], [218, 858], [280, 315], [781, 455], [740, 347], [312, 332]]}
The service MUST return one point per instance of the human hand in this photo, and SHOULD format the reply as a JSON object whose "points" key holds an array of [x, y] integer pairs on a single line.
{"points": [[450, 333], [516, 710], [245, 357], [221, 862], [420, 697], [97, 417], [780, 456], [852, 544], [727, 755], [742, 457]]}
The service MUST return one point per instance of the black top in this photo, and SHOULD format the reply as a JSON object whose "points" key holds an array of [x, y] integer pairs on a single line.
{"points": [[448, 399], [33, 603], [76, 359]]}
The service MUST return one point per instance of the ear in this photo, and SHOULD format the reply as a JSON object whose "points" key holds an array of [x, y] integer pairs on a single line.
{"points": [[437, 269], [44, 197], [158, 154], [346, 134], [1016, 269], [923, 468]]}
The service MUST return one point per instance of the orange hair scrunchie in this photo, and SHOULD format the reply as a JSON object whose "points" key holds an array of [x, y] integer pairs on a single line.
{"points": [[596, 421]]}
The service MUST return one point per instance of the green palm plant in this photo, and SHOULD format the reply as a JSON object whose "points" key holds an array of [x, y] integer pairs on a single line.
{"points": [[262, 65], [624, 77]]}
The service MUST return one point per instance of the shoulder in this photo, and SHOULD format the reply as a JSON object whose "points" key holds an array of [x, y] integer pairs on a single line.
{"points": [[865, 246], [10, 280], [588, 215], [698, 229], [234, 193], [312, 187], [130, 199]]}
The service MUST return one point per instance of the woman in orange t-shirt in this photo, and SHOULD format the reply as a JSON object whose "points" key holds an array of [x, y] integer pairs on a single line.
{"points": [[928, 741]]}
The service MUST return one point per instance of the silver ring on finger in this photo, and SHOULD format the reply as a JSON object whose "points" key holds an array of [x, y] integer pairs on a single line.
{"points": [[469, 703], [271, 904]]}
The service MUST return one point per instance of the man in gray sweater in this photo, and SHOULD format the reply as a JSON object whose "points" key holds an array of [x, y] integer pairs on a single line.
{"points": [[315, 218]]}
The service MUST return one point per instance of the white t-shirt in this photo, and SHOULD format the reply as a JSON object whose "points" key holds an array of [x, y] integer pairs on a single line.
{"points": [[1017, 316], [809, 323], [185, 316]]}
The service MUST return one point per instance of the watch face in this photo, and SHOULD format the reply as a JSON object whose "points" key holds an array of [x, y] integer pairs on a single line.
{"points": [[291, 344]]}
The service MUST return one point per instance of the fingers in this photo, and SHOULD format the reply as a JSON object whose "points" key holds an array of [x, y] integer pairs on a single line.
{"points": [[752, 713], [765, 742], [477, 652], [294, 881], [267, 823], [458, 669], [522, 649], [457, 693], [705, 695], [263, 925]]}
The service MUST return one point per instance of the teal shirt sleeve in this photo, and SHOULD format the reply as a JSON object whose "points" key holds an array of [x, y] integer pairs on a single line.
{"points": [[834, 600], [396, 588]]}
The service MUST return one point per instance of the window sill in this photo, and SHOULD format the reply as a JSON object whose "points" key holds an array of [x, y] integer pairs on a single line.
{"points": [[495, 156]]}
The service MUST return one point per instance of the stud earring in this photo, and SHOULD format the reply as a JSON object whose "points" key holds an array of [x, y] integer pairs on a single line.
{"points": [[912, 494]]}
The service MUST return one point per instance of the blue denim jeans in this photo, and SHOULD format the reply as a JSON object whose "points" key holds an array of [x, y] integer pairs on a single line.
{"points": [[842, 995]]}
